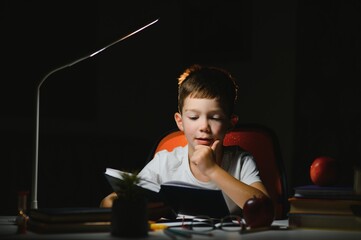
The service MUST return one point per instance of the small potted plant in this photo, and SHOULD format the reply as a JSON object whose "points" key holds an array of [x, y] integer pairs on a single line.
{"points": [[129, 213]]}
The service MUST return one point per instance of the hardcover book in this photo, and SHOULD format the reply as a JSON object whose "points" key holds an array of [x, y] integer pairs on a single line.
{"points": [[57, 215], [68, 227], [64, 220], [324, 206], [324, 221], [329, 192], [183, 198]]}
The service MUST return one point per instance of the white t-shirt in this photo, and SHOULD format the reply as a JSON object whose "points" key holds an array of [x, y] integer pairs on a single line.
{"points": [[169, 166]]}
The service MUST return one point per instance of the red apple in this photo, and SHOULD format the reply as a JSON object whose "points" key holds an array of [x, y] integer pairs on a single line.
{"points": [[258, 212], [323, 171]]}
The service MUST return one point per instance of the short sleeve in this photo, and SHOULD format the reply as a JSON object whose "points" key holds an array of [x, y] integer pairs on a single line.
{"points": [[249, 170]]}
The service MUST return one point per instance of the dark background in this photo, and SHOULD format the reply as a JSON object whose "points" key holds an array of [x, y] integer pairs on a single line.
{"points": [[297, 62]]}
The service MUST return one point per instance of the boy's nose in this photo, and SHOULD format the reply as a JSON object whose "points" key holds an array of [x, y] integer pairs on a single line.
{"points": [[204, 126]]}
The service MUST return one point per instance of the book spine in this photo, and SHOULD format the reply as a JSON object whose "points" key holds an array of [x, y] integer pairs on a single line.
{"points": [[324, 221]]}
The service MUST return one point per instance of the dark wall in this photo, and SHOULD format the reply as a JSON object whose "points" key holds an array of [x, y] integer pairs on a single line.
{"points": [[328, 92], [296, 62], [106, 111]]}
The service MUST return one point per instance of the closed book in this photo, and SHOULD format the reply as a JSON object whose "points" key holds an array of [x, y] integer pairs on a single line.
{"points": [[66, 215], [324, 221], [329, 192], [68, 227], [323, 205]]}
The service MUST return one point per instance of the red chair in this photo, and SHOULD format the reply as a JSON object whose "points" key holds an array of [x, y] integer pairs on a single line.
{"points": [[263, 144]]}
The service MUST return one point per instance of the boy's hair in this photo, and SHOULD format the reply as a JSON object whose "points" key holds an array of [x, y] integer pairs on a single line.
{"points": [[208, 82]]}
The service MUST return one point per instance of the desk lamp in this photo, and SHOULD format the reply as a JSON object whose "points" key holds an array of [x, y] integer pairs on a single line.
{"points": [[34, 190]]}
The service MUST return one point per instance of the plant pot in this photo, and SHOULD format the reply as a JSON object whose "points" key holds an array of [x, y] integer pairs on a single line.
{"points": [[129, 218]]}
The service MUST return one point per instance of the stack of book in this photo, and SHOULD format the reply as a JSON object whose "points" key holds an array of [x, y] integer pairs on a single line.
{"points": [[334, 207], [65, 220]]}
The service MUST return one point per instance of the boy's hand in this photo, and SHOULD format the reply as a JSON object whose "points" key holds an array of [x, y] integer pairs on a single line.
{"points": [[204, 157], [216, 150]]}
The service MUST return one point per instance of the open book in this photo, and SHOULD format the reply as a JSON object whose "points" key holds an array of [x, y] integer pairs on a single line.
{"points": [[182, 198]]}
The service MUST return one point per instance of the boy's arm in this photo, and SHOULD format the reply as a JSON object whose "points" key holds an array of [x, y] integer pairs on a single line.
{"points": [[238, 191], [107, 202], [205, 157]]}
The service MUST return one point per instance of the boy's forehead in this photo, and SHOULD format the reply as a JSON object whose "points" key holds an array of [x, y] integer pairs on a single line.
{"points": [[201, 104]]}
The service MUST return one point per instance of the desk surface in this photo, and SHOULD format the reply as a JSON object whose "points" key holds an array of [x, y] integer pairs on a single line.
{"points": [[9, 231]]}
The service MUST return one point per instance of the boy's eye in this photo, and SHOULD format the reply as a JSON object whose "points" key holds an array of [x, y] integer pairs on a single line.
{"points": [[218, 118], [193, 117]]}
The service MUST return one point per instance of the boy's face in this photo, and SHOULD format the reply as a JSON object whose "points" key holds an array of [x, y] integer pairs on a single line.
{"points": [[203, 121]]}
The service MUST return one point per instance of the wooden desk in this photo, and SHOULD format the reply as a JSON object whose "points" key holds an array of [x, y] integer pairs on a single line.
{"points": [[8, 231]]}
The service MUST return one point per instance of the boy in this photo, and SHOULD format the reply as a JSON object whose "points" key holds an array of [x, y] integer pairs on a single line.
{"points": [[206, 98]]}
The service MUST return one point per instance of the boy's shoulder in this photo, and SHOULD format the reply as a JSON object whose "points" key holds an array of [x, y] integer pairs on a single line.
{"points": [[180, 150], [176, 155]]}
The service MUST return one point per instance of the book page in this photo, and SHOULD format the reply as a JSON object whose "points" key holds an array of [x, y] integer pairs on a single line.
{"points": [[144, 183]]}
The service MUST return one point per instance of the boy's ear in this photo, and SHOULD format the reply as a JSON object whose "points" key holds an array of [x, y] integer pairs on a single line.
{"points": [[234, 120], [178, 120]]}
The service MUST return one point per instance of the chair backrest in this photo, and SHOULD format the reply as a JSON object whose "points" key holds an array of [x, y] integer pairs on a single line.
{"points": [[170, 140], [263, 144]]}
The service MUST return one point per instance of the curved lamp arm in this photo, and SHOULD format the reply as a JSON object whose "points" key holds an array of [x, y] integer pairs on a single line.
{"points": [[34, 189]]}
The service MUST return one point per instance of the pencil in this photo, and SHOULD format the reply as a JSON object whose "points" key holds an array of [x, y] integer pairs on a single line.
{"points": [[180, 232], [170, 234], [157, 226], [186, 231]]}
